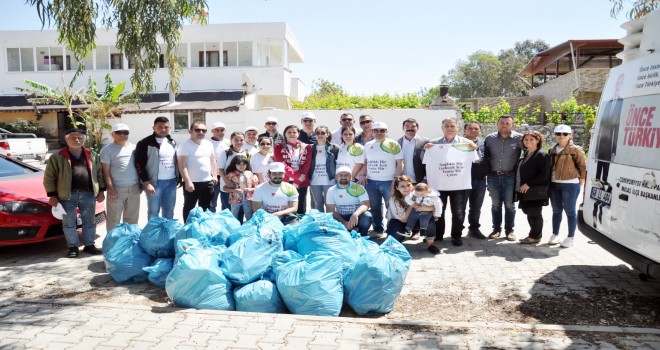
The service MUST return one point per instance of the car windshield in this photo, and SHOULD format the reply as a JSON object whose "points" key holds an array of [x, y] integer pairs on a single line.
{"points": [[9, 168]]}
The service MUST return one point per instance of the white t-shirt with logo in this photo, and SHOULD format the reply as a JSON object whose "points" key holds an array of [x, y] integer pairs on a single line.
{"points": [[320, 173], [198, 162], [448, 166], [381, 158], [166, 154], [350, 155], [346, 200], [259, 164], [275, 198]]}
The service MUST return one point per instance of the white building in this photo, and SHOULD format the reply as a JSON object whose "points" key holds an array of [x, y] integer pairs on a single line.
{"points": [[221, 63]]}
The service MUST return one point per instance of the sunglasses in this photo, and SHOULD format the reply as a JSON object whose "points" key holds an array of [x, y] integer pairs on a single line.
{"points": [[200, 130], [122, 132], [264, 144], [320, 133], [347, 119], [271, 123], [380, 130], [307, 121], [365, 122], [562, 134]]}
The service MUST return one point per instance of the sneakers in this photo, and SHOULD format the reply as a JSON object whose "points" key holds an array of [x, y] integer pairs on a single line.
{"points": [[376, 235], [495, 235], [91, 249], [476, 234], [407, 233], [529, 240], [510, 236], [433, 249], [457, 242], [554, 240], [567, 243], [74, 252]]}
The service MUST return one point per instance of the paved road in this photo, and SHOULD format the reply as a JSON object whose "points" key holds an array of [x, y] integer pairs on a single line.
{"points": [[485, 294]]}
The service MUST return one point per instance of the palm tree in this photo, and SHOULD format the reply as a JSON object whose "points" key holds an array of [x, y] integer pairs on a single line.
{"points": [[65, 95]]}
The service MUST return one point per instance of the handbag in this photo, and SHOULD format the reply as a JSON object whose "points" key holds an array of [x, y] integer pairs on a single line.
{"points": [[536, 193]]}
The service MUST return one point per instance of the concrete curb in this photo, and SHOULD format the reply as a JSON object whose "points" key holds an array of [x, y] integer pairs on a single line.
{"points": [[362, 321]]}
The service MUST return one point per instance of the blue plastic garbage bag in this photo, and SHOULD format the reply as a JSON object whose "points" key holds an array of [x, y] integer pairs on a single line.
{"points": [[310, 285], [363, 243], [261, 222], [125, 260], [197, 213], [118, 231], [259, 296], [184, 244], [158, 271], [314, 221], [204, 229], [227, 219], [196, 281], [375, 282], [157, 237], [244, 261], [319, 232]]}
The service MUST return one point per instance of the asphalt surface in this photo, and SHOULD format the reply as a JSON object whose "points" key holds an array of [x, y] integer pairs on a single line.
{"points": [[481, 295]]}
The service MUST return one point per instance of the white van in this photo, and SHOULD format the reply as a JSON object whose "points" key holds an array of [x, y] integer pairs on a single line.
{"points": [[621, 208]]}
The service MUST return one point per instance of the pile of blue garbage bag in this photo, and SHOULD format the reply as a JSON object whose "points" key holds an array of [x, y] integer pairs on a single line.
{"points": [[213, 262]]}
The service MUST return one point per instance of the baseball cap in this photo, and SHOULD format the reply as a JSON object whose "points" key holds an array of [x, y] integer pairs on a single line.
{"points": [[119, 127], [251, 128], [344, 169], [219, 125], [82, 131], [379, 125], [308, 115], [276, 167], [271, 119], [563, 128]]}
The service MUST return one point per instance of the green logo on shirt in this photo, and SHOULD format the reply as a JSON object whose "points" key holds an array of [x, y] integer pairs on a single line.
{"points": [[390, 146], [355, 150], [355, 190], [288, 189], [465, 147]]}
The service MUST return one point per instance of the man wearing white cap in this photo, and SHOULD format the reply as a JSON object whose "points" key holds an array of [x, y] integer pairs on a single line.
{"points": [[220, 144], [383, 161], [271, 131], [277, 197], [307, 135], [349, 203], [121, 179], [251, 144]]}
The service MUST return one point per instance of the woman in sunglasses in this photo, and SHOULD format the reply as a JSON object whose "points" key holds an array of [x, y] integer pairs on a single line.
{"points": [[260, 160], [322, 171], [569, 171]]}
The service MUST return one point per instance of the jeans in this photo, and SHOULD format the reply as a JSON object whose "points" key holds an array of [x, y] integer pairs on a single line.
{"points": [[422, 216], [86, 203], [476, 199], [127, 205], [394, 226], [224, 200], [214, 200], [535, 220], [242, 209], [164, 199], [318, 193], [364, 222], [563, 196], [458, 201], [200, 196], [501, 192], [378, 191]]}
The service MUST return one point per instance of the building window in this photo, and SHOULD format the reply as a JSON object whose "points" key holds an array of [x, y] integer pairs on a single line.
{"points": [[183, 120], [116, 61], [57, 62], [209, 59]]}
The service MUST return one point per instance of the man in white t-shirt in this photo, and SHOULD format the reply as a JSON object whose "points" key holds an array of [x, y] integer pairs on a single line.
{"points": [[448, 161], [383, 161], [277, 197], [220, 144], [251, 144], [348, 202], [198, 169], [156, 165]]}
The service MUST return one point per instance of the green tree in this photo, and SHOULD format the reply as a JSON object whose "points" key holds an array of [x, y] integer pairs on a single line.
{"points": [[638, 8], [140, 24], [65, 95], [478, 76], [324, 88]]}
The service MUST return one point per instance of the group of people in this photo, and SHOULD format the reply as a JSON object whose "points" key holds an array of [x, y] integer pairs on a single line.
{"points": [[359, 175]]}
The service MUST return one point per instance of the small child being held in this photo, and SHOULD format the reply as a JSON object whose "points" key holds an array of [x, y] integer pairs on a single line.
{"points": [[244, 182], [422, 196]]}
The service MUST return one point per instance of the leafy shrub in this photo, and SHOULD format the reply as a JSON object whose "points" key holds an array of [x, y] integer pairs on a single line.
{"points": [[22, 125]]}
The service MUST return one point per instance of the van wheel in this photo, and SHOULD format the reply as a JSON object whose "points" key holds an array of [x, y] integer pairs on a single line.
{"points": [[644, 277]]}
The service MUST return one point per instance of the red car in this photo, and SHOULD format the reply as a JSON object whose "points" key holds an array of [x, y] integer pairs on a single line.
{"points": [[25, 216]]}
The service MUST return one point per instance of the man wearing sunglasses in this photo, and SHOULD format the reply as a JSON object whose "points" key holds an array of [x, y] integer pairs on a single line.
{"points": [[121, 179], [198, 169], [271, 131], [366, 121], [346, 119], [307, 135]]}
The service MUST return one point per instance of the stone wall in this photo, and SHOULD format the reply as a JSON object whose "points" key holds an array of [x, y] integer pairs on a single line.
{"points": [[546, 130], [591, 83], [515, 102]]}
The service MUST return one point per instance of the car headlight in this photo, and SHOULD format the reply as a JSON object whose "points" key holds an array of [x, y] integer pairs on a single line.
{"points": [[23, 207]]}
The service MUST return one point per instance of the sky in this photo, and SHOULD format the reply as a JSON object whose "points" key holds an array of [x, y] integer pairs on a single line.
{"points": [[389, 46]]}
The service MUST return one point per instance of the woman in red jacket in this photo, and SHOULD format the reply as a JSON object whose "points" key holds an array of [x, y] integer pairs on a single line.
{"points": [[297, 159]]}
